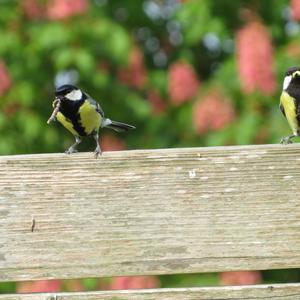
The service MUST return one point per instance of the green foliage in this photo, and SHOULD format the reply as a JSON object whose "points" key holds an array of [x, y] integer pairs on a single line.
{"points": [[35, 50], [197, 19], [207, 279]]}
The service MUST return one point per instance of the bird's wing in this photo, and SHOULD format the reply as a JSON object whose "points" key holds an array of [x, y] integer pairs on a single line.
{"points": [[282, 109], [287, 104], [96, 104]]}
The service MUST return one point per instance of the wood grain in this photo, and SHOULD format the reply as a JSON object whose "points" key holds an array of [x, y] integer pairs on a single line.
{"points": [[149, 212], [278, 291]]}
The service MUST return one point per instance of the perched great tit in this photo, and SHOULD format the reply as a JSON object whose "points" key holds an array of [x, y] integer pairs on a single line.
{"points": [[290, 102], [81, 115]]}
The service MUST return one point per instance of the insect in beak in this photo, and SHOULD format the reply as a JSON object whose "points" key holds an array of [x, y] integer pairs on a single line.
{"points": [[56, 106]]}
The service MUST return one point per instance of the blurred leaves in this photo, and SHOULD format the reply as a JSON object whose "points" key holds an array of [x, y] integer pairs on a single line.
{"points": [[47, 36], [112, 40], [122, 54], [197, 20]]}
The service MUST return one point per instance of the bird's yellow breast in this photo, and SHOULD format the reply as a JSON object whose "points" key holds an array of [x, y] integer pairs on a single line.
{"points": [[84, 122], [90, 119], [290, 110], [66, 123]]}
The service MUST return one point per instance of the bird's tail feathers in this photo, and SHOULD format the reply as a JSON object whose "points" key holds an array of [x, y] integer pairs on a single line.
{"points": [[117, 126]]}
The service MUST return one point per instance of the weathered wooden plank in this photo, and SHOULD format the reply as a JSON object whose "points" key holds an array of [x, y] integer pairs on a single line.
{"points": [[149, 212], [278, 291]]}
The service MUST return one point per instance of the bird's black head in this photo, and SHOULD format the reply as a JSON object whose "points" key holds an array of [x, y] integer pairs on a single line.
{"points": [[291, 77], [68, 92], [291, 71]]}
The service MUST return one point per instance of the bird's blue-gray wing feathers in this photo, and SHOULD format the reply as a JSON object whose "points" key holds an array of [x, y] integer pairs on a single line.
{"points": [[96, 104]]}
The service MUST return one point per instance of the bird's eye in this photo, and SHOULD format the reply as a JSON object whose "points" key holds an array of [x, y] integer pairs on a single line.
{"points": [[296, 74]]}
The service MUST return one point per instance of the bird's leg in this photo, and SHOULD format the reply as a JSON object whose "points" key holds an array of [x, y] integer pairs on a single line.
{"points": [[98, 150], [72, 149], [287, 139]]}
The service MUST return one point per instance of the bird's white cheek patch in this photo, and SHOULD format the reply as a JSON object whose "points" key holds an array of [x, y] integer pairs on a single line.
{"points": [[74, 95], [287, 81]]}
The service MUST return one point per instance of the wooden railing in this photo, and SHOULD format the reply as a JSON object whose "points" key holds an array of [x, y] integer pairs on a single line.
{"points": [[151, 212]]}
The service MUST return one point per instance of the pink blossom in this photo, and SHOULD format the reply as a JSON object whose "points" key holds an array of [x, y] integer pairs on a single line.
{"points": [[212, 112], [32, 9], [5, 80], [39, 286], [134, 282], [255, 59], [183, 83], [110, 142], [134, 74], [240, 278], [62, 9], [157, 103], [295, 7]]}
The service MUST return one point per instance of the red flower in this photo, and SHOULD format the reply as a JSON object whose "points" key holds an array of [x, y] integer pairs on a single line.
{"points": [[255, 59], [5, 80], [32, 9], [134, 282], [54, 9], [62, 9], [157, 103], [212, 112], [240, 278], [183, 82], [135, 74], [295, 7], [111, 143], [39, 286]]}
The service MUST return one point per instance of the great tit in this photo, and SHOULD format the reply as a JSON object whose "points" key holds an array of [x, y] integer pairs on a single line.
{"points": [[290, 102], [82, 116]]}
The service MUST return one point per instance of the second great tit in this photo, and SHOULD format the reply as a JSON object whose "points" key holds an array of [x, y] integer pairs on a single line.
{"points": [[290, 102], [82, 116]]}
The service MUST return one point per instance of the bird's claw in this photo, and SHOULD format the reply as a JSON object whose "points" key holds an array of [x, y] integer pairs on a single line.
{"points": [[71, 150], [97, 152], [286, 140]]}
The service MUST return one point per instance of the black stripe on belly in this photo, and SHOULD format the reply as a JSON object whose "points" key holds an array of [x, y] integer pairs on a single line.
{"points": [[70, 110]]}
